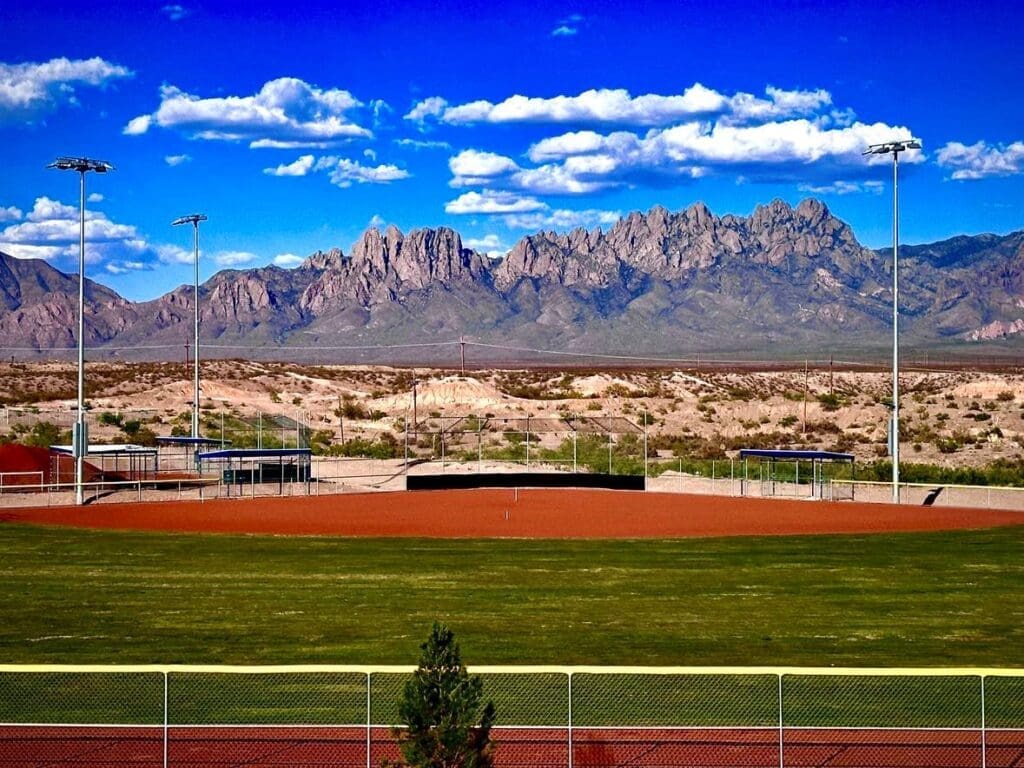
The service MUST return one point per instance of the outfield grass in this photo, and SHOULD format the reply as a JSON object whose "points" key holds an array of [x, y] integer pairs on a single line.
{"points": [[76, 596]]}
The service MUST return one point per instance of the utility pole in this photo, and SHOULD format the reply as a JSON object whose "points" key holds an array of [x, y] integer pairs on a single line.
{"points": [[805, 397], [462, 348]]}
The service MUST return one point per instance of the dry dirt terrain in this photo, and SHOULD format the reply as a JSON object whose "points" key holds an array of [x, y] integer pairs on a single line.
{"points": [[949, 417]]}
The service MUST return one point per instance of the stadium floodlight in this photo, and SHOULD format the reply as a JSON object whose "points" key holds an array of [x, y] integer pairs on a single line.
{"points": [[894, 148], [80, 439], [194, 219]]}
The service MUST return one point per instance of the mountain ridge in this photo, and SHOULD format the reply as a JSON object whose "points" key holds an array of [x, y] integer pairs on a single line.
{"points": [[784, 278]]}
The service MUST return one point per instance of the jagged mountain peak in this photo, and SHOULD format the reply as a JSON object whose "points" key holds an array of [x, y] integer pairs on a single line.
{"points": [[659, 281]]}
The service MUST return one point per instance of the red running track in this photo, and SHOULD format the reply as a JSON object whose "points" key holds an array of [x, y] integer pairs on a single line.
{"points": [[319, 747]]}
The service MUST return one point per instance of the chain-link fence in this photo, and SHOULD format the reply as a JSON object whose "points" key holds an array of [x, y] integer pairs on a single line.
{"points": [[572, 717]]}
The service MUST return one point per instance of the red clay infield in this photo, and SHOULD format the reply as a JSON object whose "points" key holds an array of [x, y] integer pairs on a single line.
{"points": [[529, 513]]}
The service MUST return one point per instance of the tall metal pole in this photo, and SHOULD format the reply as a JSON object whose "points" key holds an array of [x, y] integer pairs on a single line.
{"points": [[195, 388], [894, 148], [194, 220], [80, 440], [80, 449], [895, 328]]}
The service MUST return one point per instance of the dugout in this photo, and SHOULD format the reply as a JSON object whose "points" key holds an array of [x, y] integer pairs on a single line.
{"points": [[180, 452], [113, 462], [778, 471], [252, 466]]}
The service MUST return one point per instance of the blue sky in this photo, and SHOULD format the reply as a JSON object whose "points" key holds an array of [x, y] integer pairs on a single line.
{"points": [[296, 126]]}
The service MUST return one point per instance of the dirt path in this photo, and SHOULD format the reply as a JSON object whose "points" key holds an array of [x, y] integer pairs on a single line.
{"points": [[531, 513]]}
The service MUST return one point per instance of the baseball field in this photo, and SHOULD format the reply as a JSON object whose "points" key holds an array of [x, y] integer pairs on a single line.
{"points": [[523, 577]]}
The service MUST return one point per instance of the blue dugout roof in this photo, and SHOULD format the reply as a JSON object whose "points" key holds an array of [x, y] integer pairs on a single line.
{"points": [[767, 453], [255, 453]]}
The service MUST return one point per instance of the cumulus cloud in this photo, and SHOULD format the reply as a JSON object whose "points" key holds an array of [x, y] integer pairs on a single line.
{"points": [[564, 30], [175, 254], [433, 107], [300, 167], [287, 260], [489, 244], [490, 201], [342, 171], [583, 162], [981, 160], [345, 173], [618, 106], [10, 213], [94, 197], [562, 219], [233, 258], [51, 230], [285, 113], [174, 160], [843, 188], [418, 144], [30, 89], [124, 267], [472, 167]]}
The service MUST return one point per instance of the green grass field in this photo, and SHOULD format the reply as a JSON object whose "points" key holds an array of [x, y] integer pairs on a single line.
{"points": [[74, 596]]}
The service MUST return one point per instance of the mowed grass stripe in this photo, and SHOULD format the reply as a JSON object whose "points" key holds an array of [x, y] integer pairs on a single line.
{"points": [[76, 596]]}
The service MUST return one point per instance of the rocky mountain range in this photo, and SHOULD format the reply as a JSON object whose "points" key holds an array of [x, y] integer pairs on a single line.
{"points": [[783, 281]]}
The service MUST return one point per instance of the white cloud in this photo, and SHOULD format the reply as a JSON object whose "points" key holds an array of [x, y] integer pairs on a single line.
{"points": [[981, 160], [421, 110], [369, 154], [585, 161], [233, 258], [286, 112], [564, 31], [376, 221], [610, 106], [175, 12], [287, 260], [174, 160], [175, 254], [10, 213], [490, 201], [300, 167], [562, 219], [844, 188], [346, 172], [418, 144], [51, 231], [32, 88], [138, 125], [124, 267], [489, 244], [94, 197], [472, 167]]}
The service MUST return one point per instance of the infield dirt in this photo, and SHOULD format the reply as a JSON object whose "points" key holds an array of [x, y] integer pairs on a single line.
{"points": [[518, 513]]}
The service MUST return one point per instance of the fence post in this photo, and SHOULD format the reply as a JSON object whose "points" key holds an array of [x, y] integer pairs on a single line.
{"points": [[984, 748], [570, 719], [166, 718], [369, 721], [781, 721]]}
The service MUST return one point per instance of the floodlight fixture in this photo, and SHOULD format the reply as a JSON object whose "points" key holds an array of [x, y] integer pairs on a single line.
{"points": [[894, 148], [194, 219], [81, 164], [79, 437]]}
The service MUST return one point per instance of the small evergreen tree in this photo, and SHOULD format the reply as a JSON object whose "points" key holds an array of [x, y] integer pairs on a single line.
{"points": [[447, 725]]}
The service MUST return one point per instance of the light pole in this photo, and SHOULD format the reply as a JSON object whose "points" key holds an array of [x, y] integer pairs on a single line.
{"points": [[194, 220], [894, 148], [80, 439]]}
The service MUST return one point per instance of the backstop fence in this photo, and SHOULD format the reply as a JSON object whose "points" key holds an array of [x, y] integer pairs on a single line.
{"points": [[564, 717]]}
